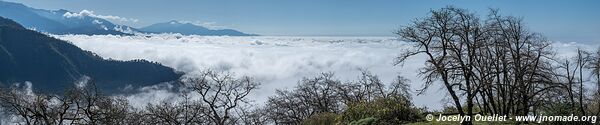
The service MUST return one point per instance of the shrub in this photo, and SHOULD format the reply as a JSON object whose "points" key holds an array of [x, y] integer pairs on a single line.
{"points": [[325, 118], [381, 111], [365, 121]]}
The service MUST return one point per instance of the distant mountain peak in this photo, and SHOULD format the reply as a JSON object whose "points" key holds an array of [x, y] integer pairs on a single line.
{"points": [[11, 3], [174, 22], [187, 28], [58, 21]]}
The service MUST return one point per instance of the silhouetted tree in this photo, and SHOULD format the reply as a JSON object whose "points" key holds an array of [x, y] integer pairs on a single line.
{"points": [[221, 94], [311, 96], [324, 96]]}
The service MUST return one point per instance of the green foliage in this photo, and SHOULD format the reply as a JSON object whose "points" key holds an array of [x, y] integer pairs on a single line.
{"points": [[594, 106], [384, 110], [449, 109], [453, 110], [365, 121], [557, 109], [474, 123], [325, 118]]}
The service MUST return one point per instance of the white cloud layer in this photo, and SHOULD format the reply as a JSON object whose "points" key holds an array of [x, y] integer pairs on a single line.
{"points": [[279, 62], [89, 13]]}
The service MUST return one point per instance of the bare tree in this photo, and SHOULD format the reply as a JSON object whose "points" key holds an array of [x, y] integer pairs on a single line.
{"points": [[582, 59], [325, 94], [285, 108], [496, 64], [34, 108], [78, 105], [175, 114], [368, 87], [311, 96], [90, 106], [256, 116], [451, 39], [594, 66], [221, 93]]}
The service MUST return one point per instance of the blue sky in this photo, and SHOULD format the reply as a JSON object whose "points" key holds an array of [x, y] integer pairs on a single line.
{"points": [[568, 21]]}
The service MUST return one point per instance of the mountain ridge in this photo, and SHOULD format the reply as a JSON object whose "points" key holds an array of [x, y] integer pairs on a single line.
{"points": [[53, 64], [55, 22], [183, 28], [62, 22]]}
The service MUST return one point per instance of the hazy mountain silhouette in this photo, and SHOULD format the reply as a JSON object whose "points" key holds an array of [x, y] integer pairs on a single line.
{"points": [[55, 22], [190, 29], [52, 64]]}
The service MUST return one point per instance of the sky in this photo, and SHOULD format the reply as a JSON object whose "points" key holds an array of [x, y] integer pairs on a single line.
{"points": [[565, 21]]}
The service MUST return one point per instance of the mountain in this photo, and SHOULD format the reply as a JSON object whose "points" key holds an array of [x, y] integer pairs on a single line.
{"points": [[53, 64], [66, 22], [60, 21], [190, 29]]}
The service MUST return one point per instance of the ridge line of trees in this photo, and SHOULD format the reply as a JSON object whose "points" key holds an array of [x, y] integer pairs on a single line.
{"points": [[220, 98]]}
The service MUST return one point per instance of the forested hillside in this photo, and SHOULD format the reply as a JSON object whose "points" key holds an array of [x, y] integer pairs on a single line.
{"points": [[51, 64]]}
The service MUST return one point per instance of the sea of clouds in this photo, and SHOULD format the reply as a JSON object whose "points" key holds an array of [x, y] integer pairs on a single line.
{"points": [[277, 61]]}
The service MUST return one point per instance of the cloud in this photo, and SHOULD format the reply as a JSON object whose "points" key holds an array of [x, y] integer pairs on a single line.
{"points": [[278, 62], [89, 13], [124, 29], [82, 82], [97, 22], [153, 95]]}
